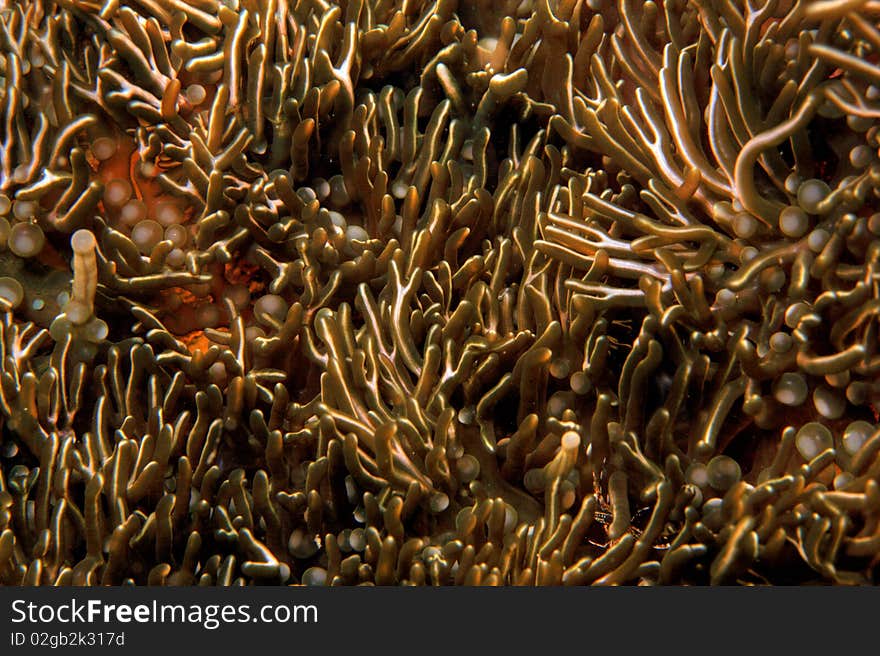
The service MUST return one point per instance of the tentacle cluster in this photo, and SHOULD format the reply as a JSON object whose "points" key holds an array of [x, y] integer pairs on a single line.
{"points": [[374, 292]]}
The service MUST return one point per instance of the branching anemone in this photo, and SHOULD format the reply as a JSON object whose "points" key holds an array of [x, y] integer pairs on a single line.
{"points": [[535, 292]]}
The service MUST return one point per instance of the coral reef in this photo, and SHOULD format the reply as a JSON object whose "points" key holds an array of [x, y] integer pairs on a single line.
{"points": [[485, 292]]}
